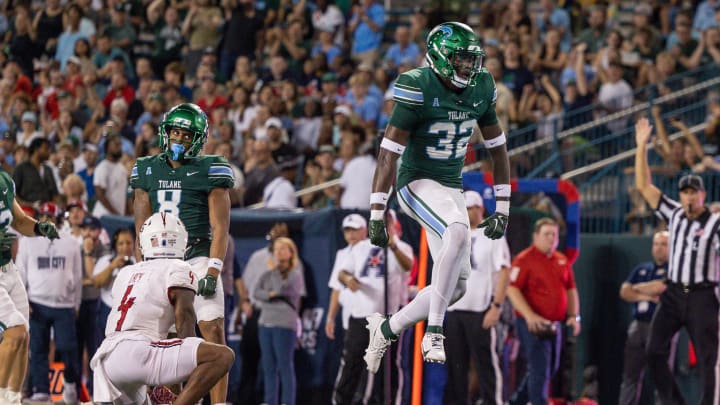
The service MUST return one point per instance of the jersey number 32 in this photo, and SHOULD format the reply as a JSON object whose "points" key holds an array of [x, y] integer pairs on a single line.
{"points": [[452, 139]]}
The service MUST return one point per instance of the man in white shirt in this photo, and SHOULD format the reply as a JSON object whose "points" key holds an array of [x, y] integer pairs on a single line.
{"points": [[615, 95], [470, 322], [111, 181], [52, 273], [362, 275], [280, 192], [356, 182]]}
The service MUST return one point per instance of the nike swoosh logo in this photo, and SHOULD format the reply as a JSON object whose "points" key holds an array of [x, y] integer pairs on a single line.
{"points": [[190, 173], [478, 103], [493, 142]]}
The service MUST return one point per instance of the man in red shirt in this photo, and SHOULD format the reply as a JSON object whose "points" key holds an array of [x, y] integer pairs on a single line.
{"points": [[119, 88], [542, 291]]}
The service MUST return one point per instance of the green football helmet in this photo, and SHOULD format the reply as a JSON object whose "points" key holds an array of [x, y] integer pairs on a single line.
{"points": [[187, 116], [454, 53]]}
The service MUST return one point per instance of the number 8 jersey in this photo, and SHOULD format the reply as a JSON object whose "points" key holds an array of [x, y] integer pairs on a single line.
{"points": [[440, 122], [183, 191]]}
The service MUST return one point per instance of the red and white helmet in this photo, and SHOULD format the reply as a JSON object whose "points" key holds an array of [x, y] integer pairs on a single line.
{"points": [[163, 235]]}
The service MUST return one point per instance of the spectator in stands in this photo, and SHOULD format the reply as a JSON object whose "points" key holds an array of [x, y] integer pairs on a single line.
{"points": [[105, 53], [542, 106], [615, 95], [553, 17], [577, 90], [210, 98], [317, 171], [540, 272], [111, 181], [90, 155], [280, 192], [642, 18], [292, 46], [402, 51], [28, 128], [201, 28], [279, 291], [682, 154], [688, 51], [75, 212], [52, 274], [596, 32], [356, 180], [326, 45], [244, 24], [515, 74], [34, 181], [515, 19], [119, 88], [168, 40], [121, 31], [259, 170], [66, 41], [366, 26], [682, 18], [366, 106], [73, 188], [22, 43], [48, 25], [705, 15], [328, 17], [550, 59]]}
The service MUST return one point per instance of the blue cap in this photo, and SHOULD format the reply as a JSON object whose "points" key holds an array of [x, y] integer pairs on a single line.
{"points": [[91, 222]]}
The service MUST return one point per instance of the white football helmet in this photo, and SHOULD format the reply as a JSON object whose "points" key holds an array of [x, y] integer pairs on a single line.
{"points": [[163, 235]]}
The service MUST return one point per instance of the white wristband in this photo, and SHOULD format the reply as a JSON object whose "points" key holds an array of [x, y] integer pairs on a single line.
{"points": [[379, 198], [377, 215], [502, 190], [502, 207], [392, 146], [215, 263], [495, 142]]}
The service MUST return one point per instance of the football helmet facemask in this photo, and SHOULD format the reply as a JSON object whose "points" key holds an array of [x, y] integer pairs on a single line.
{"points": [[454, 53]]}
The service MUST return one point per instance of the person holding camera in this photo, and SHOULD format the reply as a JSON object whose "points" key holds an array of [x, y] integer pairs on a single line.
{"points": [[542, 291], [106, 268]]}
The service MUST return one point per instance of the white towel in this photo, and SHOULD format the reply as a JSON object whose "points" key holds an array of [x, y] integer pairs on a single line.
{"points": [[104, 390]]}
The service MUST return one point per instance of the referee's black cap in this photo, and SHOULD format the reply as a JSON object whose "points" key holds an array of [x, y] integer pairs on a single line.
{"points": [[691, 181]]}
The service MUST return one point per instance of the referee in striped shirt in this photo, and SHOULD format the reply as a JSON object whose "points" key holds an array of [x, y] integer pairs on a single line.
{"points": [[689, 299]]}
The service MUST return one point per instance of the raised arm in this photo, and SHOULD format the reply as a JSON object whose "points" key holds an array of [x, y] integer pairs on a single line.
{"points": [[643, 179]]}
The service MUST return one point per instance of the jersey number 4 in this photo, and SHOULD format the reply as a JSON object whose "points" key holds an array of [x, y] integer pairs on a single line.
{"points": [[125, 305], [452, 139]]}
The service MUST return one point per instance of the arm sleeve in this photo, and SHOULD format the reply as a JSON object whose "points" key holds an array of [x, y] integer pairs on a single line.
{"points": [[409, 99], [181, 276], [490, 117], [135, 180], [571, 276], [220, 174], [518, 275], [101, 264], [666, 207], [500, 255], [262, 288], [333, 282], [632, 278]]}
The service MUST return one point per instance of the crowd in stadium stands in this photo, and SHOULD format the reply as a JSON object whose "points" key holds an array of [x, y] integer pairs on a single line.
{"points": [[296, 91]]}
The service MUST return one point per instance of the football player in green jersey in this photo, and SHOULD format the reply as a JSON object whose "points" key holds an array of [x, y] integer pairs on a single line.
{"points": [[14, 306], [436, 109], [194, 188]]}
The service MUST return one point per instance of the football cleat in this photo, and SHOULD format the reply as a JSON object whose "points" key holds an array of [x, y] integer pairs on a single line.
{"points": [[378, 343], [433, 348]]}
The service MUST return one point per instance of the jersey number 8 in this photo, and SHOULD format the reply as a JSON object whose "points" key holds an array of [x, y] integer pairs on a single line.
{"points": [[169, 201], [454, 140]]}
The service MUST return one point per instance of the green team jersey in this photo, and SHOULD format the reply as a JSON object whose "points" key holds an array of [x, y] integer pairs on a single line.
{"points": [[183, 191], [7, 199], [440, 122]]}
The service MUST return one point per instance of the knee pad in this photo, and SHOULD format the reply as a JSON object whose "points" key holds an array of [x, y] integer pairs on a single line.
{"points": [[459, 291]]}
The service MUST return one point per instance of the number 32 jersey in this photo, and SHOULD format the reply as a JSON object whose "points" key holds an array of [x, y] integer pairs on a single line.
{"points": [[183, 191], [440, 122], [141, 297]]}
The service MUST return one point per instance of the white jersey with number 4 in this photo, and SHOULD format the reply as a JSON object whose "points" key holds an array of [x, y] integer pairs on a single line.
{"points": [[141, 300]]}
